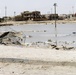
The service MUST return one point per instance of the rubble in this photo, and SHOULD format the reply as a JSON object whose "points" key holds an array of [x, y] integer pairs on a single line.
{"points": [[12, 38]]}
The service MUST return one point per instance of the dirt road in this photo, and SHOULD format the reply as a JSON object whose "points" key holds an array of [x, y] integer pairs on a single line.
{"points": [[36, 61]]}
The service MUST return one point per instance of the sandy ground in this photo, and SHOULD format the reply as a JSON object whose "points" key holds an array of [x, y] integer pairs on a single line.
{"points": [[16, 60], [36, 22]]}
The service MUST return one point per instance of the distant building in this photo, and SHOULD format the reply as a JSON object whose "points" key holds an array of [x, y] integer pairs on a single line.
{"points": [[71, 16], [51, 16], [18, 18], [1, 19], [26, 15], [62, 17], [7, 19], [46, 16], [35, 15]]}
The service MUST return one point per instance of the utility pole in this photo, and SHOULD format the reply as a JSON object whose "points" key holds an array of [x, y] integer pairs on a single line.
{"points": [[14, 15], [5, 14], [73, 9], [51, 10], [55, 23]]}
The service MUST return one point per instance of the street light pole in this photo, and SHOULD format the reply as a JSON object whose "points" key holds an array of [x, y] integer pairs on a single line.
{"points": [[73, 9], [51, 10], [14, 15], [5, 11], [5, 14], [55, 23]]}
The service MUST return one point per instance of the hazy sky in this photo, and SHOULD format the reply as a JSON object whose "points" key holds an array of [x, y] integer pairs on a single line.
{"points": [[45, 6]]}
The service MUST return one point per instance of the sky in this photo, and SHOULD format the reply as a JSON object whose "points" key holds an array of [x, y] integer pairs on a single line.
{"points": [[45, 6]]}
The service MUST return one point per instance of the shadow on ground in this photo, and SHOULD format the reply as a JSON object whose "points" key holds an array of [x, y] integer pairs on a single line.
{"points": [[36, 62]]}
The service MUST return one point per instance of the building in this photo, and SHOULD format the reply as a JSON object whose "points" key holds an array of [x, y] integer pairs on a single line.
{"points": [[71, 16], [62, 17], [35, 15], [18, 18], [46, 16], [51, 16]]}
